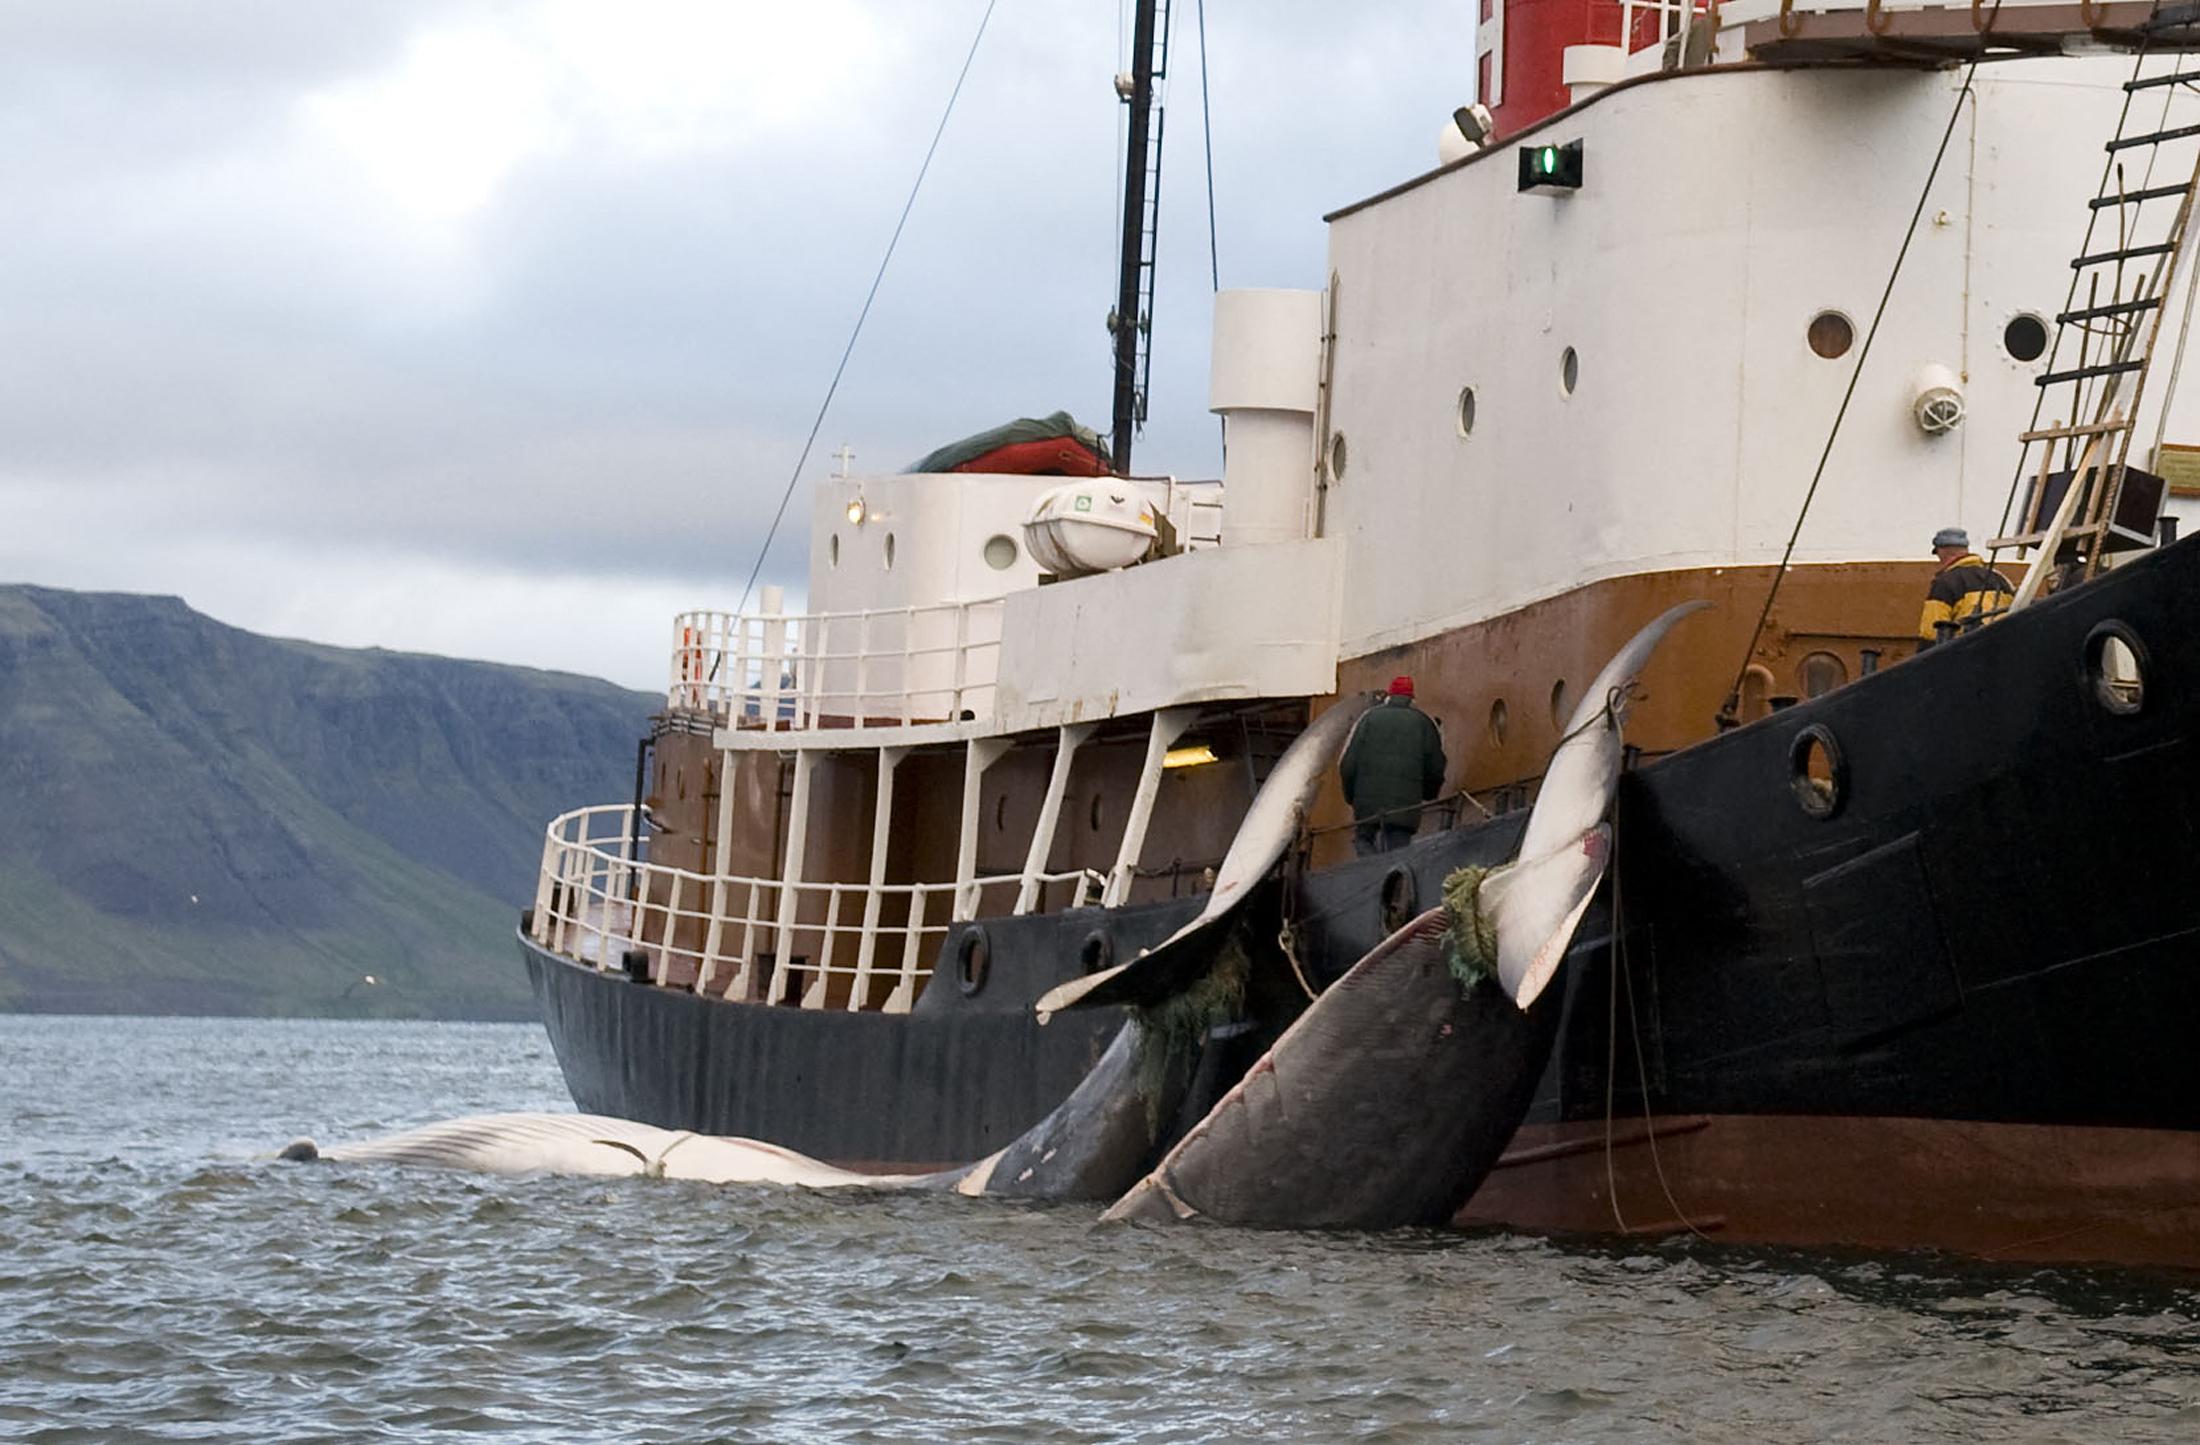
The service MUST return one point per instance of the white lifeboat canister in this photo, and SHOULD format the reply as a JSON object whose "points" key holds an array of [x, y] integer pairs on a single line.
{"points": [[1089, 526]]}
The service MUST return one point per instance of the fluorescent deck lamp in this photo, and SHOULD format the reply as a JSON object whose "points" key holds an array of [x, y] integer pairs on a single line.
{"points": [[1191, 755]]}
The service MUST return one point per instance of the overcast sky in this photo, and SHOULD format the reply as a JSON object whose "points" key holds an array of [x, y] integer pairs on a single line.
{"points": [[495, 329]]}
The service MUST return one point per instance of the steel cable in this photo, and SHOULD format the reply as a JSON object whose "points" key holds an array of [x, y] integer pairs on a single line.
{"points": [[1731, 712], [849, 350]]}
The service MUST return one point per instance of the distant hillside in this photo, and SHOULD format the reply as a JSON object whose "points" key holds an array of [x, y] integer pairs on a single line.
{"points": [[196, 819]]}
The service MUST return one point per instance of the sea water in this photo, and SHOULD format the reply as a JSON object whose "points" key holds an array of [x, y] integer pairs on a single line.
{"points": [[162, 1277]]}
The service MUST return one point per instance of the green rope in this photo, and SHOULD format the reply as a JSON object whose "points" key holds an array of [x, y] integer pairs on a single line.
{"points": [[1177, 1026], [1470, 941]]}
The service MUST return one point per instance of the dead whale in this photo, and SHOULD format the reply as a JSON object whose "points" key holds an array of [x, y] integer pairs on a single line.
{"points": [[1389, 1100], [587, 1144]]}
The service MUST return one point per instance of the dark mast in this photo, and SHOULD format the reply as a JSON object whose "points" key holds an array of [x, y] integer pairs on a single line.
{"points": [[1132, 319]]}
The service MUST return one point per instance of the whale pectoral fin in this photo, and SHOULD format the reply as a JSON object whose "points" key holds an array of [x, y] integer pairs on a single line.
{"points": [[1163, 971], [1270, 824], [1535, 906], [1578, 785]]}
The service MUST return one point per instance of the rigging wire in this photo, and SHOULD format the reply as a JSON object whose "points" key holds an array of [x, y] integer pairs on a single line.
{"points": [[1731, 712], [1617, 968], [1207, 140], [870, 296]]}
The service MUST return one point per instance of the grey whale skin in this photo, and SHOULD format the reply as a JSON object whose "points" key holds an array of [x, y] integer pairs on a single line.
{"points": [[1384, 1103]]}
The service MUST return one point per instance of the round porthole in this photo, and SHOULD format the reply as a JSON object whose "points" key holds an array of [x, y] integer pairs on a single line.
{"points": [[2115, 668], [1817, 772], [1466, 411], [1830, 334], [1558, 703], [889, 551], [1401, 899], [1499, 718], [1000, 551], [1336, 457], [973, 958], [1095, 814], [832, 550], [1097, 952], [1820, 673], [1000, 814], [1569, 371], [2025, 337]]}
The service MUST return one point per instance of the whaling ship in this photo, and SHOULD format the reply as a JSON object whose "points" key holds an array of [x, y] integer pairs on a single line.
{"points": [[1897, 948]]}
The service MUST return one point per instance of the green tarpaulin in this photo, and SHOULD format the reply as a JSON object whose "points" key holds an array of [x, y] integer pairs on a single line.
{"points": [[1023, 429]]}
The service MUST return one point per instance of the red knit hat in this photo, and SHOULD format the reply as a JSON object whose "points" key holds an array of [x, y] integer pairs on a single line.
{"points": [[1401, 686]]}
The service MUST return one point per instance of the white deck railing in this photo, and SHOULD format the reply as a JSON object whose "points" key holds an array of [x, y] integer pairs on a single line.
{"points": [[788, 671], [848, 945]]}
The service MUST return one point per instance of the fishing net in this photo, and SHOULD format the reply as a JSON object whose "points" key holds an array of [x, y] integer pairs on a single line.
{"points": [[1470, 938], [1178, 1026]]}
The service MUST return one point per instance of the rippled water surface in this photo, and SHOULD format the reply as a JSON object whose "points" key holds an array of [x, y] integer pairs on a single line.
{"points": [[161, 1279]]}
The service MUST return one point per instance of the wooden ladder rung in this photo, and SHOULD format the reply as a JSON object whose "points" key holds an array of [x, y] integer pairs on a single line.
{"points": [[2063, 433], [2034, 539]]}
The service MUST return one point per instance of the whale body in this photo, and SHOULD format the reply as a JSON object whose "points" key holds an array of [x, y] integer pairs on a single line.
{"points": [[593, 1144]]}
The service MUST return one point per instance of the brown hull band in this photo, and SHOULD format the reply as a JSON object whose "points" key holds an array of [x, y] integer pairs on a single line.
{"points": [[2021, 1192]]}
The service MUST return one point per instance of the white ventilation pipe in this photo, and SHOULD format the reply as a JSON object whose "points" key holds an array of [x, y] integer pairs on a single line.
{"points": [[1263, 383], [1587, 69]]}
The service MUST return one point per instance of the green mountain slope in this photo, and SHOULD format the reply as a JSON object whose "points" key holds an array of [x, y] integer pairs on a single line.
{"points": [[201, 820]]}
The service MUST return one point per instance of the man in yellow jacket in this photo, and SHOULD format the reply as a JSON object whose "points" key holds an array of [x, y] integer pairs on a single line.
{"points": [[1965, 591]]}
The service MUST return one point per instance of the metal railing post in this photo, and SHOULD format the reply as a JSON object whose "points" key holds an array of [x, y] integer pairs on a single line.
{"points": [[814, 995], [790, 875], [955, 706], [978, 755], [1068, 739], [882, 820], [912, 955]]}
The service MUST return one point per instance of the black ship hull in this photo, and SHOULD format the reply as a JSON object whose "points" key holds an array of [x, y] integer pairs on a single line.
{"points": [[1916, 962]]}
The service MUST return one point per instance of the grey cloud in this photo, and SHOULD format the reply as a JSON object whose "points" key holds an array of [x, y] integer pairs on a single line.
{"points": [[625, 348]]}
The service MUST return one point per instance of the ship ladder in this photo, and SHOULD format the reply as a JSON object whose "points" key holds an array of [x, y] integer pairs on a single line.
{"points": [[2111, 320]]}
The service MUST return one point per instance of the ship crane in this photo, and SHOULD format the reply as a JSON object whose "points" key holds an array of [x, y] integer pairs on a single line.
{"points": [[1131, 322]]}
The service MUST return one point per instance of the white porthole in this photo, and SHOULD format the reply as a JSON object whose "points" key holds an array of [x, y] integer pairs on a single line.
{"points": [[889, 551], [1000, 551], [832, 550], [1336, 457], [1569, 371], [1466, 411]]}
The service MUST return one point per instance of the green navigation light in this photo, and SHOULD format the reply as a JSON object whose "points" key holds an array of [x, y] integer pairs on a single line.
{"points": [[1552, 169]]}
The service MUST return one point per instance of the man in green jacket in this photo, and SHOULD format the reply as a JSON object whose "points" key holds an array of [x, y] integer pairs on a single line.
{"points": [[1394, 764]]}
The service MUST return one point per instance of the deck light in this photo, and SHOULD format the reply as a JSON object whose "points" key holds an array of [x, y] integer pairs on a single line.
{"points": [[1191, 755], [855, 510], [1554, 169]]}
